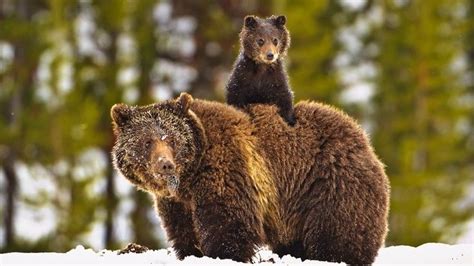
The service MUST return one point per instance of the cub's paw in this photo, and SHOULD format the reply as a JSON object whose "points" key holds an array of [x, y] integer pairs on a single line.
{"points": [[290, 120]]}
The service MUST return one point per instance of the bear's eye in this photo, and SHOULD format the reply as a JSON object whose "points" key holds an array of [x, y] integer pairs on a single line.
{"points": [[148, 144], [275, 41], [260, 42]]}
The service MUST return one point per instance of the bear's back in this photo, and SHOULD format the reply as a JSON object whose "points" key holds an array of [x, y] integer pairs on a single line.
{"points": [[320, 129], [317, 164], [323, 135]]}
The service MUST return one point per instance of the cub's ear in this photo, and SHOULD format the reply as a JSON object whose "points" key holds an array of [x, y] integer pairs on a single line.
{"points": [[184, 101], [280, 21], [250, 22], [120, 114]]}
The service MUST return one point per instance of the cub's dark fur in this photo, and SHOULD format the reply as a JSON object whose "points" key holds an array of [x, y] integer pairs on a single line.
{"points": [[259, 75]]}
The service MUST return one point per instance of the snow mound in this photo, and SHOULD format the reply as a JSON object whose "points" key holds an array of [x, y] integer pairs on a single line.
{"points": [[432, 253]]}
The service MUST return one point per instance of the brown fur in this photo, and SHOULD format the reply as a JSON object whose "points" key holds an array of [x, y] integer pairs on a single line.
{"points": [[273, 33], [315, 191]]}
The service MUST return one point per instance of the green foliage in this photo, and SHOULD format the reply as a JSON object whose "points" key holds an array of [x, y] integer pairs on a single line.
{"points": [[314, 28], [416, 117]]}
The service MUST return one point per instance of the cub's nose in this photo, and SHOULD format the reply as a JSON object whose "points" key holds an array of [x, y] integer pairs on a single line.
{"points": [[166, 166], [270, 56]]}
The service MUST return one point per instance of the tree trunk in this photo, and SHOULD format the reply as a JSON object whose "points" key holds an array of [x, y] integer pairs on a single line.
{"points": [[9, 214], [111, 197], [111, 204], [23, 77]]}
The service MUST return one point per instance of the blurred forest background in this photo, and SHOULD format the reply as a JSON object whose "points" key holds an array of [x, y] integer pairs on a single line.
{"points": [[403, 68]]}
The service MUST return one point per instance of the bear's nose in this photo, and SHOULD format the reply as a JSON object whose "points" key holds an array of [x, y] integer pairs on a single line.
{"points": [[270, 56], [165, 166]]}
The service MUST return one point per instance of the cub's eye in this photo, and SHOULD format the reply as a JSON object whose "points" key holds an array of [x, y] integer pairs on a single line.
{"points": [[275, 42], [260, 42]]}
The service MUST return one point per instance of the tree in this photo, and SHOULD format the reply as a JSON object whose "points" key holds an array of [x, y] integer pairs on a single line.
{"points": [[18, 29], [313, 49], [415, 113]]}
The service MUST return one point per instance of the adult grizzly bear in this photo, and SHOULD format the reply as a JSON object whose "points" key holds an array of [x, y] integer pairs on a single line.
{"points": [[226, 182]]}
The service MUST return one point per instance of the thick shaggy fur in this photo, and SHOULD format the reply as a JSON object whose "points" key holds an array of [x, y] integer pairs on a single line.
{"points": [[257, 79], [315, 190]]}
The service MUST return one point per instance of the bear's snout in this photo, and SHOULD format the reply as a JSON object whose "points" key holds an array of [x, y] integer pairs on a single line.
{"points": [[165, 166], [268, 55], [162, 159]]}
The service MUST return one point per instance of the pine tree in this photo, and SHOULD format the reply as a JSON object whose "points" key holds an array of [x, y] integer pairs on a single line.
{"points": [[19, 30], [469, 78], [313, 26], [416, 114]]}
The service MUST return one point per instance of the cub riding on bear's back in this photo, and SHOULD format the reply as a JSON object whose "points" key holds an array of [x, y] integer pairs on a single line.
{"points": [[223, 186], [259, 75]]}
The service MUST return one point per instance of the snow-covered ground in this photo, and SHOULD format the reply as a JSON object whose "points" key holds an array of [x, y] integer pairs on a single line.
{"points": [[432, 253]]}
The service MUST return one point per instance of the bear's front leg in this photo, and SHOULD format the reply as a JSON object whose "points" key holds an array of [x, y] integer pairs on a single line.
{"points": [[178, 223], [227, 231]]}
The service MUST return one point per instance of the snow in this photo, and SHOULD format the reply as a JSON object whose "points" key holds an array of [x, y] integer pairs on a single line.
{"points": [[357, 93], [127, 76], [95, 236], [6, 55], [130, 94], [431, 253], [168, 75], [123, 224], [468, 236], [353, 5], [66, 72], [32, 221], [85, 27], [162, 12], [94, 159]]}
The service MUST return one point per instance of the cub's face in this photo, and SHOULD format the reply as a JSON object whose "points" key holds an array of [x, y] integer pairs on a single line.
{"points": [[265, 40], [152, 145]]}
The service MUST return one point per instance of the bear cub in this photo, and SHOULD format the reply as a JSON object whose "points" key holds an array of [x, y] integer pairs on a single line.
{"points": [[259, 75]]}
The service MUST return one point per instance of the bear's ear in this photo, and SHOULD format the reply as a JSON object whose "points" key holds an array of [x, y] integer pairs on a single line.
{"points": [[280, 21], [250, 22], [120, 114], [184, 101]]}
